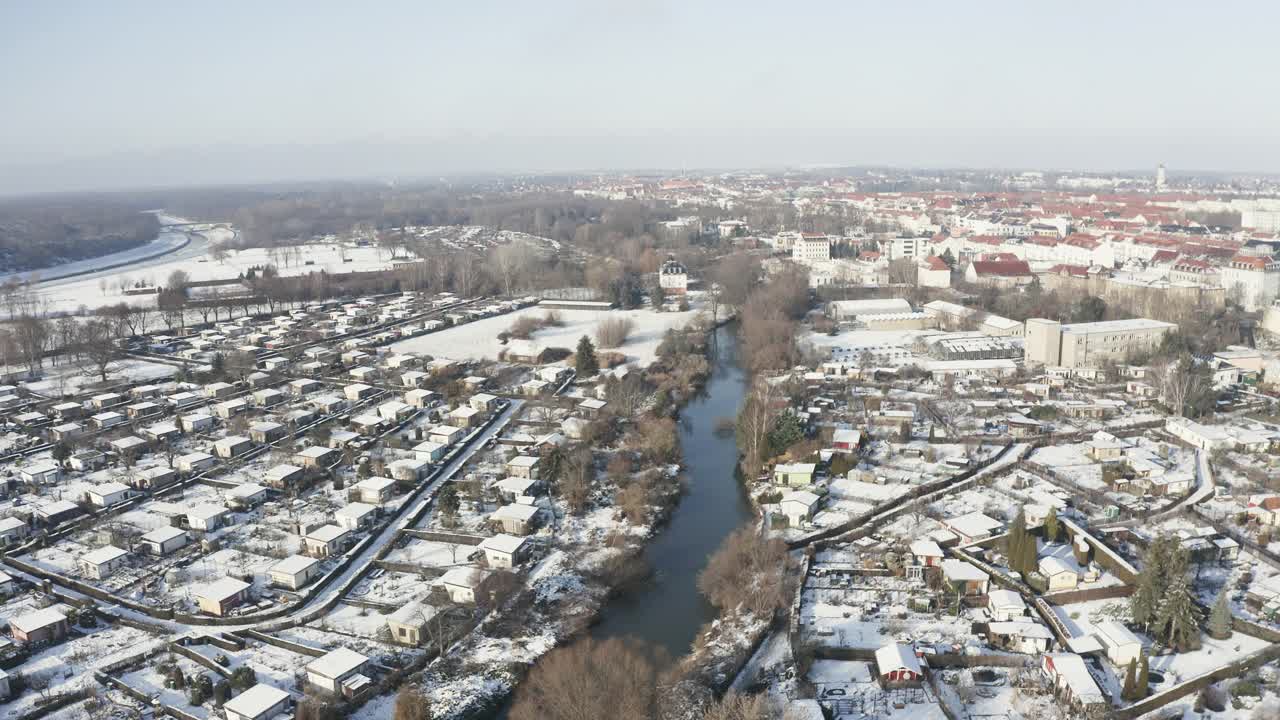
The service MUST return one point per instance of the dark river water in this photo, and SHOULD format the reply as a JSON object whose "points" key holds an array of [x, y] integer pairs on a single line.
{"points": [[668, 611]]}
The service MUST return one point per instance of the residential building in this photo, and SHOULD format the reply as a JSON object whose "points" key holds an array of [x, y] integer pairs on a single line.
{"points": [[294, 572], [260, 702], [222, 596]]}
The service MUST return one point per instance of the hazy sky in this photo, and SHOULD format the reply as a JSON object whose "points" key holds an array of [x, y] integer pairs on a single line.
{"points": [[146, 93]]}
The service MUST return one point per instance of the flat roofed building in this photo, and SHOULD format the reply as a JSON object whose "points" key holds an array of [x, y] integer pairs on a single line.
{"points": [[104, 561], [294, 572], [328, 671], [164, 540], [221, 596], [260, 702]]}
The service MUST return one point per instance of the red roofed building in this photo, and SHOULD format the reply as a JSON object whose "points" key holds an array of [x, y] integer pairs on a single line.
{"points": [[931, 271], [1077, 271], [1196, 272], [999, 273], [1253, 279]]}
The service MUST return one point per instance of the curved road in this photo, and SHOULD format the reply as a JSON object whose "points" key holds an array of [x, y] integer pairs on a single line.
{"points": [[116, 263]]}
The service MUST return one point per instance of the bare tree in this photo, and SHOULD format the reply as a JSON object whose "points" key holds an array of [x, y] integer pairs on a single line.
{"points": [[466, 273], [748, 571], [612, 332], [614, 678], [97, 343], [411, 704], [32, 335], [507, 263]]}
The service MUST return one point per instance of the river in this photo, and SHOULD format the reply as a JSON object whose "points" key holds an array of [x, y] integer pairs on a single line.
{"points": [[668, 611]]}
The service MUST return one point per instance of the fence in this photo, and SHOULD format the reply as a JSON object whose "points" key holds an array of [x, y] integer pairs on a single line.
{"points": [[890, 508], [200, 659], [1234, 670], [447, 537], [280, 642], [56, 703], [1110, 592]]}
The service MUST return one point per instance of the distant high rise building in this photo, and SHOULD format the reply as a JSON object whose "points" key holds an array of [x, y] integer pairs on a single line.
{"points": [[1160, 176]]}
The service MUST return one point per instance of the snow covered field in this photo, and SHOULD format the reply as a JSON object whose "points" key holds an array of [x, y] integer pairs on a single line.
{"points": [[88, 290], [68, 379], [479, 339]]}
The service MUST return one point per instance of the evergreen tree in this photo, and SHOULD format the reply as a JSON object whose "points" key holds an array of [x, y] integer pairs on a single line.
{"points": [[1031, 555], [1130, 681], [585, 361], [1176, 618], [1145, 601], [1143, 686], [1051, 528], [1220, 617], [1015, 541]]}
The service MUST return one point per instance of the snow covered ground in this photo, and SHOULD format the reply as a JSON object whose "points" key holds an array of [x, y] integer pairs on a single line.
{"points": [[479, 339], [68, 379], [102, 289]]}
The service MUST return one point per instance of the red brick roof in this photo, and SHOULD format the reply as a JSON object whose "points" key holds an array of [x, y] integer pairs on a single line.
{"points": [[1002, 268]]}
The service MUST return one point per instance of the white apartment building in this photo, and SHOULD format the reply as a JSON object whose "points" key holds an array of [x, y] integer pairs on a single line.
{"points": [[1256, 278], [908, 248], [1051, 343], [811, 247]]}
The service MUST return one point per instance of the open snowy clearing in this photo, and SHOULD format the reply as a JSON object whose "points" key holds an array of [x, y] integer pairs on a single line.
{"points": [[304, 259], [479, 339]]}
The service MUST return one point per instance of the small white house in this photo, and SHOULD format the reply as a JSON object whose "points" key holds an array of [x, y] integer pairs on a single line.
{"points": [[326, 541], [232, 446], [196, 462], [798, 506], [260, 702], [104, 561], [504, 551], [206, 518], [329, 671], [294, 572], [464, 584], [164, 540], [108, 494], [376, 490], [355, 516]]}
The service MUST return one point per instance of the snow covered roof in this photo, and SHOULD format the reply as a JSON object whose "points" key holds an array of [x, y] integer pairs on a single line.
{"points": [[1051, 566], [504, 543], [293, 564], [355, 510], [104, 555], [163, 534], [807, 499], [37, 619], [1072, 670], [223, 589], [515, 512], [246, 490], [973, 524], [256, 700], [926, 548], [963, 571], [376, 483], [897, 657], [337, 663], [1005, 599], [1021, 629], [326, 533], [467, 577], [1112, 633]]}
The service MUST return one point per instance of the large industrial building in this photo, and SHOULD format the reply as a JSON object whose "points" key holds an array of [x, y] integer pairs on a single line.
{"points": [[1049, 342]]}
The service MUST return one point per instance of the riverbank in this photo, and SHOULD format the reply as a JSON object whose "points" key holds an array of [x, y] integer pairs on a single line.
{"points": [[587, 583]]}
